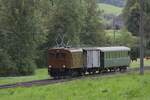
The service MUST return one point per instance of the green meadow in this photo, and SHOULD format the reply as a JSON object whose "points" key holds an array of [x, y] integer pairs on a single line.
{"points": [[110, 9], [131, 86], [39, 74], [136, 64], [43, 74]]}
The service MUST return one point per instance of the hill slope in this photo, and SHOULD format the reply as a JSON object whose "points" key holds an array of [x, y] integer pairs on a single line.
{"points": [[119, 3], [110, 9]]}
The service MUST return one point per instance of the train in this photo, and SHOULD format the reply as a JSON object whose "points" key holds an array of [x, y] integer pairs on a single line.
{"points": [[72, 62]]}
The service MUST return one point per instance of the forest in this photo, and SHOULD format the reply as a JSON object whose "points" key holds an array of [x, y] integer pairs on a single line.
{"points": [[28, 28]]}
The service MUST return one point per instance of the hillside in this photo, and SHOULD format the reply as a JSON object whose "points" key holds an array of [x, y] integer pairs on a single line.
{"points": [[119, 3], [111, 15], [110, 9]]}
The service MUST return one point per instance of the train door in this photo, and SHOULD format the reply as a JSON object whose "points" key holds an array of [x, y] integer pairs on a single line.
{"points": [[89, 59], [96, 59], [93, 58]]}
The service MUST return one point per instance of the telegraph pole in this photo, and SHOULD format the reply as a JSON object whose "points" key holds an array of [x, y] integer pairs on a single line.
{"points": [[141, 32]]}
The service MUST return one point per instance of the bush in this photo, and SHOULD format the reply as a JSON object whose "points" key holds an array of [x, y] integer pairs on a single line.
{"points": [[26, 67], [134, 53], [7, 67], [42, 60]]}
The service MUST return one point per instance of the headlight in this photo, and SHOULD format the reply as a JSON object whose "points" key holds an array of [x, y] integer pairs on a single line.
{"points": [[49, 66], [64, 66]]}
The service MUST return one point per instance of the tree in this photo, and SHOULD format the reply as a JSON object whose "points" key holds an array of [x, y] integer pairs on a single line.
{"points": [[43, 14], [67, 20], [18, 19], [126, 39], [132, 17], [92, 31]]}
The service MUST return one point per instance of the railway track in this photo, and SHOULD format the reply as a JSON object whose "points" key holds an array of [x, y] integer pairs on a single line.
{"points": [[53, 81]]}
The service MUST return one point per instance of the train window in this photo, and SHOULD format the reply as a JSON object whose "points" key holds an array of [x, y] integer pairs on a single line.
{"points": [[51, 55], [60, 56], [107, 55], [114, 55], [120, 54], [117, 54], [125, 54], [110, 55]]}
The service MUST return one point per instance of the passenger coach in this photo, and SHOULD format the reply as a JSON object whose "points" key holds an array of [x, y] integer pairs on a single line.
{"points": [[106, 58]]}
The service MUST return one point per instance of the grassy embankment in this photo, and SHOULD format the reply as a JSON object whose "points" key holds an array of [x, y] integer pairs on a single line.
{"points": [[115, 87], [110, 9], [135, 64], [42, 74]]}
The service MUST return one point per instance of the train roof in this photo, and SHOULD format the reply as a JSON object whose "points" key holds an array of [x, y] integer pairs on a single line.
{"points": [[69, 49], [76, 50], [107, 49]]}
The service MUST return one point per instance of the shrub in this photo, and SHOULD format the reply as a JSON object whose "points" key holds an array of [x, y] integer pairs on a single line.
{"points": [[7, 67], [26, 67]]}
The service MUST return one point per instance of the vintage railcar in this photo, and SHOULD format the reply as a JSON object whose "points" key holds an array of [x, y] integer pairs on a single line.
{"points": [[65, 61], [73, 62], [115, 57], [106, 58]]}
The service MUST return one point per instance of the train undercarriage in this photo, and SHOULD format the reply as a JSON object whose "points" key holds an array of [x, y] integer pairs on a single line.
{"points": [[58, 73]]}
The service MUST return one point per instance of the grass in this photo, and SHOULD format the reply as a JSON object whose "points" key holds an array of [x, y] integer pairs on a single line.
{"points": [[40, 74], [110, 33], [116, 87], [110, 9], [43, 74], [135, 64]]}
